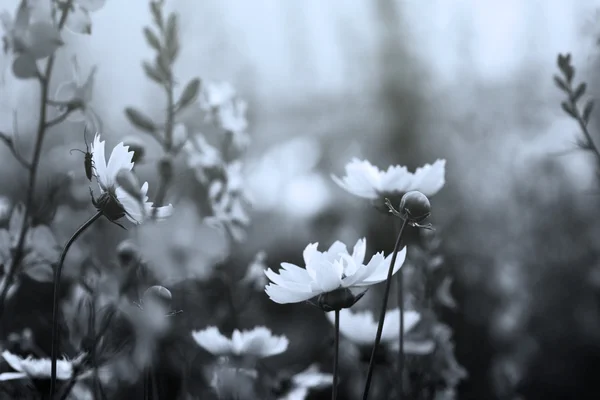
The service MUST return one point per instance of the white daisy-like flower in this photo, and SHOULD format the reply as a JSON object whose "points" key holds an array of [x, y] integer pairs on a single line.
{"points": [[361, 327], [36, 368], [114, 201], [366, 180], [310, 378], [329, 271], [258, 342]]}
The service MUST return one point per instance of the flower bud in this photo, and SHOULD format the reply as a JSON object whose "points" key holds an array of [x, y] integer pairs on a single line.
{"points": [[415, 206], [136, 145], [165, 168], [338, 299], [180, 135], [128, 253], [159, 295]]}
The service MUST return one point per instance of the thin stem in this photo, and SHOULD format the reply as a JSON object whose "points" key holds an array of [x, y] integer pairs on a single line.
{"points": [[336, 355], [400, 299], [388, 284], [41, 131], [57, 274], [582, 123]]}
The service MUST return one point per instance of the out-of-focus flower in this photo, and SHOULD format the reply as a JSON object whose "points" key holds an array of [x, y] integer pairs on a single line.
{"points": [[36, 368], [115, 202], [258, 342], [255, 275], [365, 180], [335, 275], [78, 20], [216, 94], [232, 382], [361, 327], [231, 116], [40, 250], [306, 380], [78, 92], [201, 156]]}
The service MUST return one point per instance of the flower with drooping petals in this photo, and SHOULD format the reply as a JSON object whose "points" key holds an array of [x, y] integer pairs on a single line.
{"points": [[303, 382], [116, 202], [338, 278], [258, 342], [361, 327], [366, 180], [37, 368]]}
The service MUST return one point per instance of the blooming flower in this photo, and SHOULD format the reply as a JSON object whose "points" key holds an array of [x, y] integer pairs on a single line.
{"points": [[361, 328], [37, 368], [308, 379], [114, 201], [78, 20], [258, 342], [79, 90], [328, 271], [365, 180]]}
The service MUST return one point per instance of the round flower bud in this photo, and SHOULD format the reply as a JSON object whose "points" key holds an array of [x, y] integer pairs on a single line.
{"points": [[158, 295], [128, 253], [136, 145], [165, 168], [338, 299], [415, 206]]}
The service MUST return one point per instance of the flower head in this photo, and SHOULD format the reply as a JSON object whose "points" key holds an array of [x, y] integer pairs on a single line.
{"points": [[258, 342], [302, 382], [361, 328], [330, 272], [366, 180], [115, 202], [36, 368]]}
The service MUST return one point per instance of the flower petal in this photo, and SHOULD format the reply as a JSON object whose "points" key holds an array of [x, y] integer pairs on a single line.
{"points": [[380, 273], [120, 158], [13, 360], [285, 296], [213, 341], [99, 159]]}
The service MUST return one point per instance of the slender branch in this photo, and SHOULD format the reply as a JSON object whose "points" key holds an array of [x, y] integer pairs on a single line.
{"points": [[41, 131], [13, 149], [386, 294], [60, 118], [581, 122], [57, 273], [336, 356]]}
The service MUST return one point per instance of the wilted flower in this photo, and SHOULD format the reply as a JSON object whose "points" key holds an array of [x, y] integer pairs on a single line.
{"points": [[37, 368], [40, 250], [255, 275], [302, 382], [258, 342], [335, 276], [115, 202], [361, 328], [78, 92], [365, 180], [79, 20]]}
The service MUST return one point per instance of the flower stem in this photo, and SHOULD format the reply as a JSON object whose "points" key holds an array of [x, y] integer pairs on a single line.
{"points": [[37, 152], [388, 284], [336, 355], [57, 274], [400, 293]]}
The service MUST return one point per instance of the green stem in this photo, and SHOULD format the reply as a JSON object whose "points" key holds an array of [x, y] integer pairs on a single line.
{"points": [[336, 355], [386, 294], [57, 275], [400, 299], [37, 151]]}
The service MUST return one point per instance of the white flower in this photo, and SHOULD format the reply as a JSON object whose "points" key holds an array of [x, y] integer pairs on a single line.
{"points": [[361, 327], [106, 175], [215, 94], [201, 156], [327, 271], [80, 90], [308, 379], [78, 20], [232, 116], [36, 368], [258, 342], [365, 180]]}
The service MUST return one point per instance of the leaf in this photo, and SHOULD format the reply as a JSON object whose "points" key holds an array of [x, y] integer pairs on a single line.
{"points": [[172, 37], [152, 39], [568, 109], [40, 272], [154, 73], [25, 67], [560, 83], [579, 91], [163, 65], [23, 16], [587, 111], [140, 120], [156, 13], [190, 92], [45, 39]]}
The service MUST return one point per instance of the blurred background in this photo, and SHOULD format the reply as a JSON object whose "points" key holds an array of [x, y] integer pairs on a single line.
{"points": [[394, 82]]}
